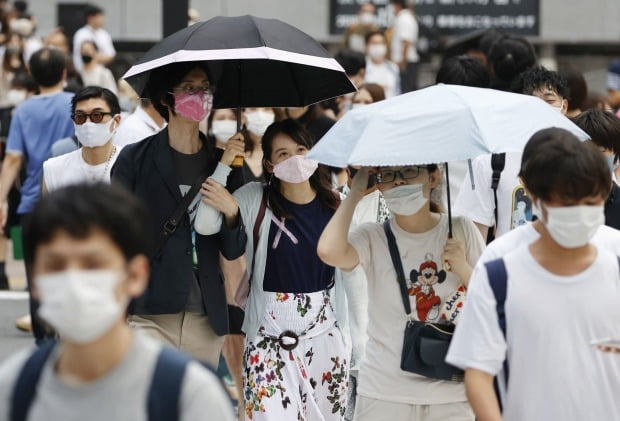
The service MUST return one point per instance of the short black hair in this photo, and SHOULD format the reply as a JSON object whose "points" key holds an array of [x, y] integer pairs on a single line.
{"points": [[92, 10], [372, 34], [577, 88], [539, 77], [463, 70], [351, 61], [508, 57], [165, 78], [603, 128], [96, 92], [25, 81], [81, 209], [47, 66], [402, 3], [556, 165]]}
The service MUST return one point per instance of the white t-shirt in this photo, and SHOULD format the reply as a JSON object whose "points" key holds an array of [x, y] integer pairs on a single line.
{"points": [[99, 76], [380, 375], [385, 74], [139, 125], [514, 207], [555, 374], [71, 168], [120, 395], [405, 28], [606, 237], [100, 36]]}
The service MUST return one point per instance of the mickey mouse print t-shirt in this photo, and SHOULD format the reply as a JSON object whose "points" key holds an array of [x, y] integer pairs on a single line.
{"points": [[429, 286]]}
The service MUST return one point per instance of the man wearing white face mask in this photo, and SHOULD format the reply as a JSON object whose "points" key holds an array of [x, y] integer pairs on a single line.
{"points": [[540, 307], [89, 244], [96, 116], [379, 70]]}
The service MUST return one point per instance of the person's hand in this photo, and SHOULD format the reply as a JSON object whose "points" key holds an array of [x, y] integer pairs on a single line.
{"points": [[359, 184], [4, 212], [234, 147], [454, 257], [216, 196]]}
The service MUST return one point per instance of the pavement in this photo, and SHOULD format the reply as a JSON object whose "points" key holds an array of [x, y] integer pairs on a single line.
{"points": [[13, 304]]}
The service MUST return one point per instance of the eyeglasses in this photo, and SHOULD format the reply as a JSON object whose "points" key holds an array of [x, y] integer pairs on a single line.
{"points": [[95, 117], [192, 90], [389, 175]]}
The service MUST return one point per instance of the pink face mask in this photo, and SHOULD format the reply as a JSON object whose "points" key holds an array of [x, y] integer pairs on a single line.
{"points": [[195, 106], [295, 169]]}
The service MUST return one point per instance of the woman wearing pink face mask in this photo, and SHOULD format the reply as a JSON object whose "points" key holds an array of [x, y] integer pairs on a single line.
{"points": [[295, 363], [185, 302]]}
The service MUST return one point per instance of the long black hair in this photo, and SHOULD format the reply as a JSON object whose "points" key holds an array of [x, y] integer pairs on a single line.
{"points": [[320, 180]]}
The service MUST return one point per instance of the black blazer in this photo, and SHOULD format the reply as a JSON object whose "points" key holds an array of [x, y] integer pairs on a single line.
{"points": [[146, 169]]}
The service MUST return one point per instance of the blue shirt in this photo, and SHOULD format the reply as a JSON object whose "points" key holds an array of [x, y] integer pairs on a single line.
{"points": [[293, 264], [37, 123]]}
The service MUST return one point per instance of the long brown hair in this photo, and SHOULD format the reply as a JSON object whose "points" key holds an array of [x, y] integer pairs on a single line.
{"points": [[320, 180]]}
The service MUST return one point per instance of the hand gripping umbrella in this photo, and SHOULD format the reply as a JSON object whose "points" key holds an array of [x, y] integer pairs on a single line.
{"points": [[438, 124], [252, 62]]}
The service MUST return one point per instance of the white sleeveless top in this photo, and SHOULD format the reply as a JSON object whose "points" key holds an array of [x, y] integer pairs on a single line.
{"points": [[71, 168]]}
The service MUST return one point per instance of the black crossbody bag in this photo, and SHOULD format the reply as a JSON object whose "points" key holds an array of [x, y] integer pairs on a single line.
{"points": [[425, 344]]}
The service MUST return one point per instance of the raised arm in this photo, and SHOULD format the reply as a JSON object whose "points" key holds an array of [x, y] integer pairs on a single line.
{"points": [[334, 248]]}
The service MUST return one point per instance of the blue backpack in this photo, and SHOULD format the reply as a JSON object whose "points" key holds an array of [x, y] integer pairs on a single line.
{"points": [[163, 397]]}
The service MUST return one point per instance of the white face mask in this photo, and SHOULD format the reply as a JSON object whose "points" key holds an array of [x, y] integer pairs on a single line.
{"points": [[93, 135], [258, 121], [572, 226], [80, 304], [223, 129], [377, 51], [358, 105], [405, 200], [16, 96]]}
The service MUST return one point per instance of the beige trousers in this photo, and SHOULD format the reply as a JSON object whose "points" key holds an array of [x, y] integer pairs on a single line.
{"points": [[369, 409], [190, 332]]}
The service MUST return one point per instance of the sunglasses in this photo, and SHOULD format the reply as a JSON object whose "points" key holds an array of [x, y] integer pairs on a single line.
{"points": [[389, 175], [95, 117]]}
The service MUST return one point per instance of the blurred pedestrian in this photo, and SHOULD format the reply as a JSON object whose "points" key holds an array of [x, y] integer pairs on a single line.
{"points": [[504, 205], [185, 302], [563, 267], [93, 73], [604, 130], [404, 49], [293, 344], [379, 69], [508, 57], [356, 33], [89, 263], [385, 389], [93, 31], [613, 85], [368, 93], [37, 123], [96, 115], [577, 91], [144, 122]]}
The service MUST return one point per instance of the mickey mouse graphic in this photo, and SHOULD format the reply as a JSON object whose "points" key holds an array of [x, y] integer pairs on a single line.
{"points": [[422, 288]]}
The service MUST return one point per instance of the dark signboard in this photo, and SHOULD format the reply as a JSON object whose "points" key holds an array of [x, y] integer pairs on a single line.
{"points": [[450, 17]]}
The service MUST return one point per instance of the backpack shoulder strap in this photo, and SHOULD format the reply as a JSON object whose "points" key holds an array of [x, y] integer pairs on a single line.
{"points": [[498, 162], [165, 392], [25, 389], [498, 280]]}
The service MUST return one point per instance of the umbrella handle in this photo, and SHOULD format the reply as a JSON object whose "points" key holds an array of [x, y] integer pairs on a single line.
{"points": [[446, 265], [238, 161]]}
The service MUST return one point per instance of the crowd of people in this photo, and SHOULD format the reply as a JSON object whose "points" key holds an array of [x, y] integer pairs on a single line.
{"points": [[144, 231]]}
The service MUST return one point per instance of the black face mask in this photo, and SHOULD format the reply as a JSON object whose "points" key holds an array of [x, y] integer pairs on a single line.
{"points": [[87, 59]]}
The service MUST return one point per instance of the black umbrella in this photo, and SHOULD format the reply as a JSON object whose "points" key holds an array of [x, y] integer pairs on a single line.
{"points": [[253, 62]]}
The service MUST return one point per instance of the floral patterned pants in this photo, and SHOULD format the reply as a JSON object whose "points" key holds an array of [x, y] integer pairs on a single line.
{"points": [[296, 368]]}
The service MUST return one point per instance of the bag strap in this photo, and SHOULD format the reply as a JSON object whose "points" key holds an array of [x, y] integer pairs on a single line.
{"points": [[175, 219], [398, 265], [164, 395], [498, 280], [259, 220], [498, 162], [25, 388]]}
